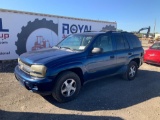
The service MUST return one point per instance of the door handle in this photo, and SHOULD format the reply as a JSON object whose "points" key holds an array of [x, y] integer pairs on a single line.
{"points": [[111, 57], [130, 53]]}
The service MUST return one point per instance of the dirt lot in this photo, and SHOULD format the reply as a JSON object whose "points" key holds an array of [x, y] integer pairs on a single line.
{"points": [[109, 98]]}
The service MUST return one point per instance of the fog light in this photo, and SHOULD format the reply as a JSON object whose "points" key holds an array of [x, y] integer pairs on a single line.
{"points": [[35, 88]]}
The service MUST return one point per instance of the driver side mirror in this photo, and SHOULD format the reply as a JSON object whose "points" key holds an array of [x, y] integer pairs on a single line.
{"points": [[97, 50]]}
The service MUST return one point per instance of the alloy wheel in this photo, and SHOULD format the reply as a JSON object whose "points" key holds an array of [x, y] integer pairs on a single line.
{"points": [[68, 88]]}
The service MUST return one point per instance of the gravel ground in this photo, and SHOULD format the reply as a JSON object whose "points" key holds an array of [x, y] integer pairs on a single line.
{"points": [[109, 98]]}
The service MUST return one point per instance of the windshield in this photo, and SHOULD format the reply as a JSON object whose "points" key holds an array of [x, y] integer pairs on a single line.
{"points": [[155, 46], [75, 42]]}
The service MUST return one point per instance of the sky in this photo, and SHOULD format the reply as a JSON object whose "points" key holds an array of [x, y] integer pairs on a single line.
{"points": [[130, 15]]}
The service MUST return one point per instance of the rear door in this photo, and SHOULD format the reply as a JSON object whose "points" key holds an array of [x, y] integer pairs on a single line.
{"points": [[123, 51]]}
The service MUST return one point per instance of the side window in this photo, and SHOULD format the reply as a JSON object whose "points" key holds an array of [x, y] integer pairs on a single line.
{"points": [[126, 44], [134, 40], [121, 43], [104, 42]]}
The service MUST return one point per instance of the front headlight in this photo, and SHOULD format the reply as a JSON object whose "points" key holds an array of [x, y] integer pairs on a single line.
{"points": [[19, 61], [38, 70]]}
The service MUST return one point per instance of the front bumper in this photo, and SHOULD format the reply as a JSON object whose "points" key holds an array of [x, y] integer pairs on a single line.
{"points": [[43, 86]]}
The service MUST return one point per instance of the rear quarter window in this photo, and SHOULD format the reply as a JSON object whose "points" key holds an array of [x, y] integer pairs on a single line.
{"points": [[121, 42], [133, 40]]}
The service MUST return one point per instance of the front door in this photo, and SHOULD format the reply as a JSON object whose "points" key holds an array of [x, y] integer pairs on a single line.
{"points": [[104, 63]]}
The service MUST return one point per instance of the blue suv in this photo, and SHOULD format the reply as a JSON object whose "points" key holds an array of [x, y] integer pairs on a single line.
{"points": [[61, 71]]}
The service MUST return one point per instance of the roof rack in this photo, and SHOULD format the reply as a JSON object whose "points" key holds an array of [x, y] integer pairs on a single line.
{"points": [[91, 31], [111, 31]]}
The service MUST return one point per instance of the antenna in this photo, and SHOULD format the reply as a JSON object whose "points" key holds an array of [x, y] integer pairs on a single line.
{"points": [[154, 27]]}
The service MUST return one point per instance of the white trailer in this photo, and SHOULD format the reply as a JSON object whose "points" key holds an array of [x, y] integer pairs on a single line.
{"points": [[26, 31]]}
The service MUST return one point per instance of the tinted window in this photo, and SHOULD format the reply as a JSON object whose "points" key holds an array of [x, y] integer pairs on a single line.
{"points": [[134, 40], [126, 44], [121, 42], [104, 42]]}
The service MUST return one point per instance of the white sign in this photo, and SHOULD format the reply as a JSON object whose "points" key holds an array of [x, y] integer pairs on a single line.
{"points": [[21, 32]]}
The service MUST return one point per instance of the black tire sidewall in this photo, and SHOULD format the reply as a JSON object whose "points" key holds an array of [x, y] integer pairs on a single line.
{"points": [[59, 82]]}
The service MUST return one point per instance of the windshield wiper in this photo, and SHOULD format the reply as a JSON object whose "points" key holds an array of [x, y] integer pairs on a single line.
{"points": [[67, 48], [55, 47]]}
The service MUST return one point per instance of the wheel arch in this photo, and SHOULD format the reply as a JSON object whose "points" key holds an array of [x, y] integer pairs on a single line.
{"points": [[137, 60], [76, 70]]}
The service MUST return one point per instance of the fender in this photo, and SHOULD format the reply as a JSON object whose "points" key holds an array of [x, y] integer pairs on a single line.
{"points": [[64, 67]]}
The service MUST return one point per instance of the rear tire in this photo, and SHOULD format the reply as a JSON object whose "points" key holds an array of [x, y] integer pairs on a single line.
{"points": [[67, 87], [131, 72]]}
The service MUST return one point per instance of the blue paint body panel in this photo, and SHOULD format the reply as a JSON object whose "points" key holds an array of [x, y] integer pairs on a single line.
{"points": [[92, 66]]}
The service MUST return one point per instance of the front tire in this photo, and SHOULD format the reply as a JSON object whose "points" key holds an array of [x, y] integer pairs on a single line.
{"points": [[67, 87], [131, 72]]}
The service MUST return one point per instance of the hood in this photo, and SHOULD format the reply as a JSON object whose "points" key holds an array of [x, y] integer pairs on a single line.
{"points": [[45, 55]]}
